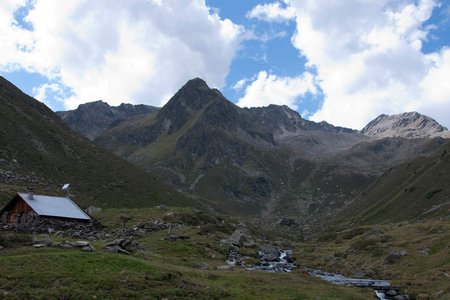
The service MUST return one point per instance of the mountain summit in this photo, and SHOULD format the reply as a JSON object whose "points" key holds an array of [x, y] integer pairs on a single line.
{"points": [[408, 125], [90, 119]]}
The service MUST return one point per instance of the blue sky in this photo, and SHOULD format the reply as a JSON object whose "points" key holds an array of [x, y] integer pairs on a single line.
{"points": [[344, 62]]}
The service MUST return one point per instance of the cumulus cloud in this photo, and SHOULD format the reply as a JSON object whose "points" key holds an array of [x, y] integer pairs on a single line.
{"points": [[272, 89], [369, 60], [272, 12], [135, 51]]}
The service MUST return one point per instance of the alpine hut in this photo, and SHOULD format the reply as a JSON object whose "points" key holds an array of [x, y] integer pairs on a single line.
{"points": [[42, 206]]}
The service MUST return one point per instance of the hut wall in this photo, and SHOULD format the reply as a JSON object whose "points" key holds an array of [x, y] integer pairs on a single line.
{"points": [[20, 207]]}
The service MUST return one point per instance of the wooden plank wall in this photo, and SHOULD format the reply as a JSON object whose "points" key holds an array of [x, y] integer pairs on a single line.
{"points": [[20, 207]]}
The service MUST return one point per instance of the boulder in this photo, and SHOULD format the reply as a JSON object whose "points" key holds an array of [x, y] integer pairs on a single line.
{"points": [[391, 293], [66, 245], [241, 238], [269, 253], [81, 244], [88, 249]]}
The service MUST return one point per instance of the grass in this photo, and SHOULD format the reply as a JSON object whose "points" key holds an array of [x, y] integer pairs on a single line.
{"points": [[58, 274], [162, 270], [424, 269]]}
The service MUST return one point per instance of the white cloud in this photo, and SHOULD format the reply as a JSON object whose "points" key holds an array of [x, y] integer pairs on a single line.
{"points": [[369, 61], [239, 85], [272, 12], [57, 92], [120, 51], [272, 89]]}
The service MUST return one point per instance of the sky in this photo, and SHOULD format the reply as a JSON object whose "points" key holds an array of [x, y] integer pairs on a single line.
{"points": [[343, 61]]}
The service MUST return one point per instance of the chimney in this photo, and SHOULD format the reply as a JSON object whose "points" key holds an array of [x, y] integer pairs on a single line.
{"points": [[30, 195]]}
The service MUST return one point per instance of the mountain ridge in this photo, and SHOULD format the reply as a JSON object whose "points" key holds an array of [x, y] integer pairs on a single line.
{"points": [[90, 119], [268, 161], [39, 151]]}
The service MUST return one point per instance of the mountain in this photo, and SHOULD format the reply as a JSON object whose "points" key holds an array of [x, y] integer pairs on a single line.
{"points": [[413, 190], [199, 141], [281, 120], [409, 125], [265, 161], [39, 151], [91, 119]]}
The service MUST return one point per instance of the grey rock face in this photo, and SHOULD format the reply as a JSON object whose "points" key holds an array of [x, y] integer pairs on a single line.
{"points": [[91, 119], [407, 125]]}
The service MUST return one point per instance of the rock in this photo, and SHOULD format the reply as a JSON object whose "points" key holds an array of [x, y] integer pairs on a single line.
{"points": [[1, 247], [269, 253], [391, 293], [288, 222], [50, 230], [66, 246], [233, 258], [81, 244], [38, 245], [201, 266], [288, 255], [241, 238], [88, 249], [438, 293], [120, 250]]}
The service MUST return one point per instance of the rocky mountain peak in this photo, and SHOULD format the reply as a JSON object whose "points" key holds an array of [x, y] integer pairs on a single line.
{"points": [[92, 118], [193, 95], [408, 125], [99, 104]]}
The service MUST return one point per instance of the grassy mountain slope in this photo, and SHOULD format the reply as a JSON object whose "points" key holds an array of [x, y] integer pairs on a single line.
{"points": [[38, 150], [415, 189]]}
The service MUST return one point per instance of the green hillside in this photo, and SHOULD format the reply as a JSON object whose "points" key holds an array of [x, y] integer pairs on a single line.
{"points": [[37, 150], [413, 190]]}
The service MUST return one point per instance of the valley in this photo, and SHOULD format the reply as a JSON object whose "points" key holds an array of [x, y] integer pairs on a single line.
{"points": [[179, 187]]}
